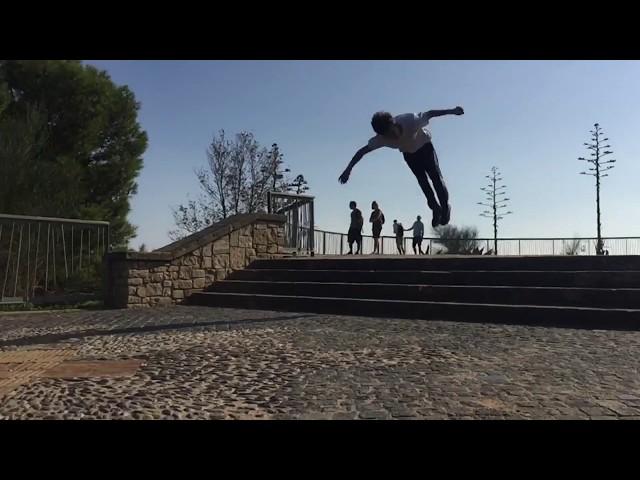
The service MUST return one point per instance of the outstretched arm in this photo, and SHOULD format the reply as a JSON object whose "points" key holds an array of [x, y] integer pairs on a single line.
{"points": [[356, 158], [426, 116]]}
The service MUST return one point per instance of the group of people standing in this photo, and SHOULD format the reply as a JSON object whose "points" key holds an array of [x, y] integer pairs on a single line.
{"points": [[377, 220]]}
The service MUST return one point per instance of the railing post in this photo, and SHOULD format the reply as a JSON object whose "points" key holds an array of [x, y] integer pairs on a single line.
{"points": [[108, 238], [519, 250], [312, 228], [341, 243], [268, 202], [324, 243], [6, 272]]}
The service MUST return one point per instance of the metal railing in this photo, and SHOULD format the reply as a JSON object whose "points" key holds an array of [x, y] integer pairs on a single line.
{"points": [[334, 243], [299, 230], [38, 255]]}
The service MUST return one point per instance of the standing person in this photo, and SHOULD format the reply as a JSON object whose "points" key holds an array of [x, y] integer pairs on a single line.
{"points": [[355, 228], [408, 133], [398, 229], [377, 220], [418, 234]]}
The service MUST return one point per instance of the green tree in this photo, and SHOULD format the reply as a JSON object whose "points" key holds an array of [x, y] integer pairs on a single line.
{"points": [[458, 240], [4, 96], [573, 247], [84, 137], [299, 185]]}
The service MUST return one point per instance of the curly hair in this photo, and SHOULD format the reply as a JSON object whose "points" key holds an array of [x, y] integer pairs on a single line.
{"points": [[381, 122]]}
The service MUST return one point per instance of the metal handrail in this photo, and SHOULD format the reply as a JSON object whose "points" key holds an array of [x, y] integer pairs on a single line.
{"points": [[41, 252], [6, 216], [484, 239], [334, 243]]}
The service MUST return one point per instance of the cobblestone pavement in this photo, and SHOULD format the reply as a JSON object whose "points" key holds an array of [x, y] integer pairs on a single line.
{"points": [[209, 363]]}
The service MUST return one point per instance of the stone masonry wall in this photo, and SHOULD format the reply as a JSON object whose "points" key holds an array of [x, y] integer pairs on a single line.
{"points": [[142, 280]]}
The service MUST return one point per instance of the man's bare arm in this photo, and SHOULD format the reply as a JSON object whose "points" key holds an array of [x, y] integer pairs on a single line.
{"points": [[439, 113], [344, 177]]}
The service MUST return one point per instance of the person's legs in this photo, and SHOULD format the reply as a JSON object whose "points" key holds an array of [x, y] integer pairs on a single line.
{"points": [[433, 170], [413, 244], [418, 165], [419, 242], [358, 243], [350, 239]]}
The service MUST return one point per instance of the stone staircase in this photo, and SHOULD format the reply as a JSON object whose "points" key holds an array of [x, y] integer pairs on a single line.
{"points": [[572, 291]]}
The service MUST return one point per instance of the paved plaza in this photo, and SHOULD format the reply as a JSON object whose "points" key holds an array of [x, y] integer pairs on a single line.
{"points": [[210, 363]]}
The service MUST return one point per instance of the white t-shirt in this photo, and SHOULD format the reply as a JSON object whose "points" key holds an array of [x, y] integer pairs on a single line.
{"points": [[414, 134]]}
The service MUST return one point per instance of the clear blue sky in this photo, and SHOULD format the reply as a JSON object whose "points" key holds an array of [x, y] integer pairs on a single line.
{"points": [[530, 118]]}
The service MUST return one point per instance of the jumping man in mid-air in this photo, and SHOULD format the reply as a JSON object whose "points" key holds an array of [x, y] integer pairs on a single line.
{"points": [[407, 133]]}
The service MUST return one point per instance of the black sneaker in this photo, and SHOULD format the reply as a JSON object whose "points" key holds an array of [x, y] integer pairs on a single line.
{"points": [[446, 215]]}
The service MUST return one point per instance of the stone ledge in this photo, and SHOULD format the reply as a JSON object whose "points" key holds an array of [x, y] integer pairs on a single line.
{"points": [[216, 231], [174, 272]]}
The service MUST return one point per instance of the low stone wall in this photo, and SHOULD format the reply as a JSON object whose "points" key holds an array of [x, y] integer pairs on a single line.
{"points": [[168, 276]]}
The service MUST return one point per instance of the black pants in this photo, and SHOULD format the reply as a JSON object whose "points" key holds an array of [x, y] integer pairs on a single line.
{"points": [[424, 165]]}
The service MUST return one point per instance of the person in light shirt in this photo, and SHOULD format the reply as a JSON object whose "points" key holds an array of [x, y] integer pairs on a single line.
{"points": [[408, 134], [418, 234]]}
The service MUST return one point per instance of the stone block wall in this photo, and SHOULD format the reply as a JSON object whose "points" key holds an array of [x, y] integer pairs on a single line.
{"points": [[171, 274]]}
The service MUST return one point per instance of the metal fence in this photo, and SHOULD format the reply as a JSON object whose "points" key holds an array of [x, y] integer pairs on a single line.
{"points": [[299, 226], [40, 256], [334, 243]]}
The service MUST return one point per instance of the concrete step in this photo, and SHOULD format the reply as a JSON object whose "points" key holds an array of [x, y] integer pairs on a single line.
{"points": [[507, 295], [453, 263], [586, 279], [571, 317]]}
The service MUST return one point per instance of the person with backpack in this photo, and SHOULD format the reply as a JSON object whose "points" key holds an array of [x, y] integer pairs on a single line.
{"points": [[398, 229], [377, 220]]}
